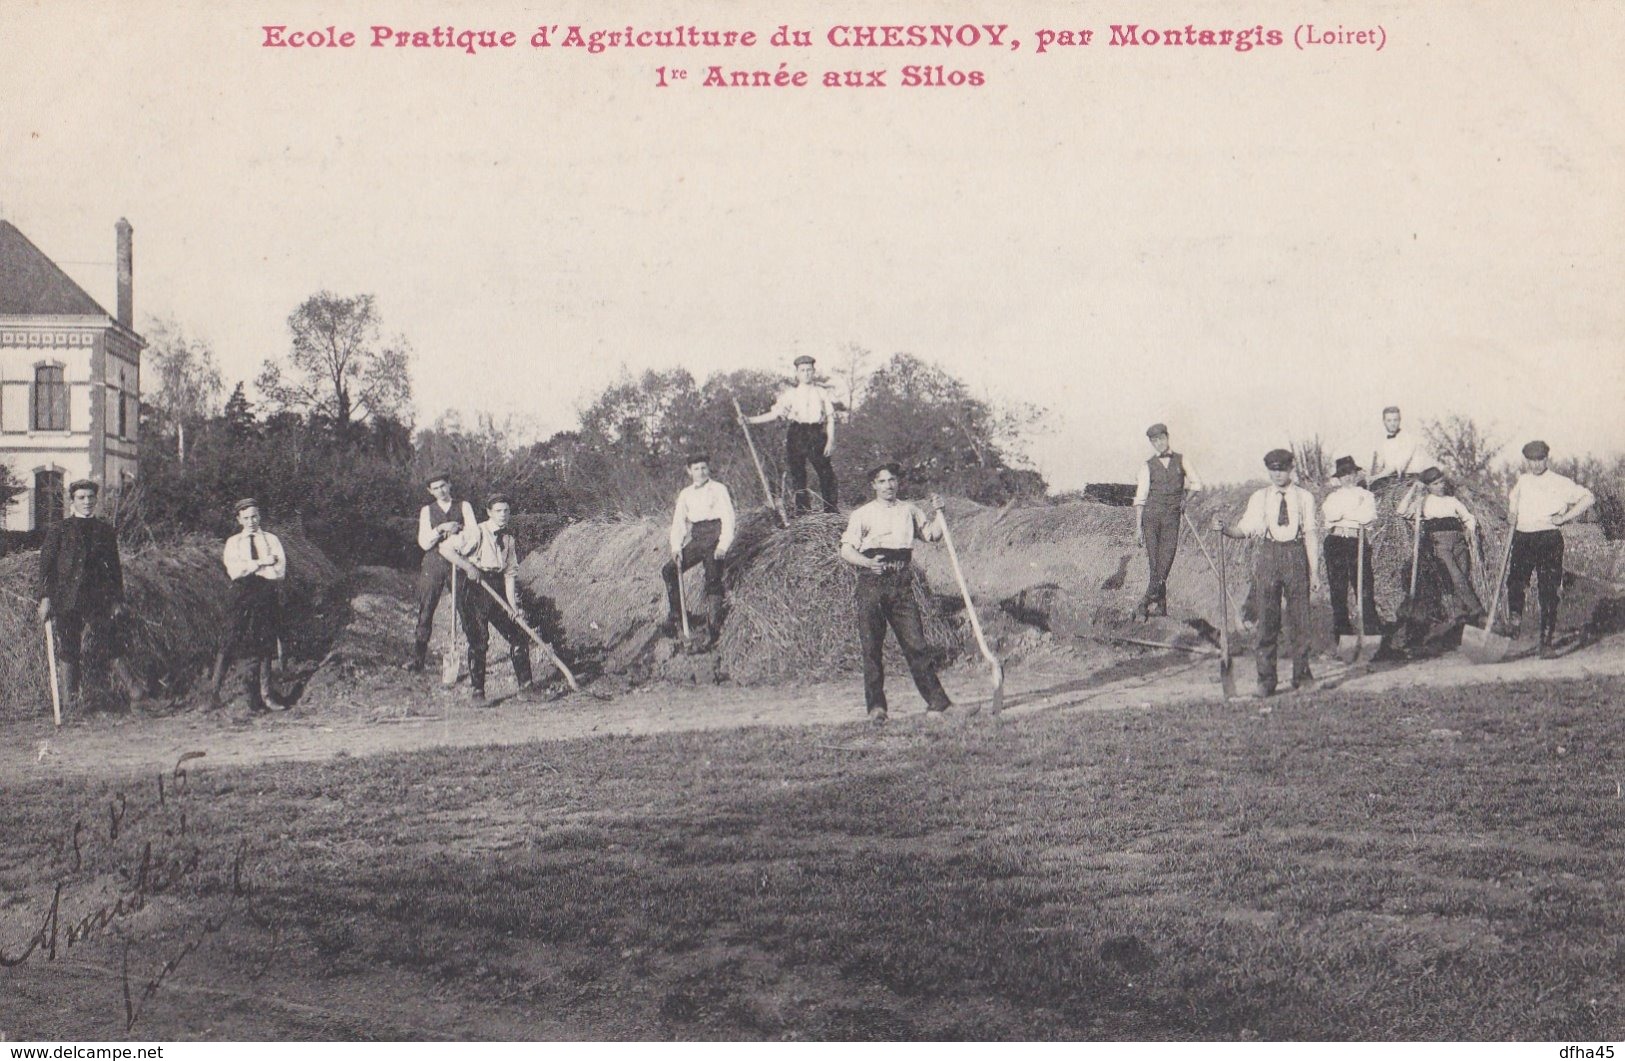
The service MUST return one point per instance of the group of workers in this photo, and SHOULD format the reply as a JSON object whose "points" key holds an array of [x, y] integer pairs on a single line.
{"points": [[81, 585]]}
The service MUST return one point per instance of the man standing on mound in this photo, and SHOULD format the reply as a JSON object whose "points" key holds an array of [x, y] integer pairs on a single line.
{"points": [[1159, 503], [879, 542], [81, 590], [702, 532], [810, 413], [1281, 517], [440, 521], [1398, 456], [1540, 503], [257, 567]]}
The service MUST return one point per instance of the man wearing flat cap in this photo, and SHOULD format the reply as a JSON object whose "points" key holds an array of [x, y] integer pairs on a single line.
{"points": [[1347, 511], [1451, 534], [1398, 455], [1286, 568], [810, 413], [488, 553], [1541, 502], [1159, 504], [257, 566], [440, 524], [702, 532], [81, 591]]}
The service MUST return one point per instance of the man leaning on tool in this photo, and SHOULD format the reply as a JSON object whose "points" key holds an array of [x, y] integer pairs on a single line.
{"points": [[1159, 503], [702, 532], [440, 521], [1281, 518], [879, 542], [1347, 510], [810, 413], [257, 566], [489, 555], [81, 590], [1452, 535], [1541, 501]]}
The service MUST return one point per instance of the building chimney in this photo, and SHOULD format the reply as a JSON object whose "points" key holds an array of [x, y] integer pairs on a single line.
{"points": [[126, 312]]}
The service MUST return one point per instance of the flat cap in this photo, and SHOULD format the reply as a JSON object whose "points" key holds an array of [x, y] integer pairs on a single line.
{"points": [[1156, 430], [436, 478], [804, 359], [498, 498], [1536, 450], [696, 458], [1390, 409], [247, 502], [83, 484], [1345, 468], [1431, 475], [1278, 460]]}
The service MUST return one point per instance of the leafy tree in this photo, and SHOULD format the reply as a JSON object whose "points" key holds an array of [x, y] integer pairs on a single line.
{"points": [[238, 418], [184, 383], [340, 371]]}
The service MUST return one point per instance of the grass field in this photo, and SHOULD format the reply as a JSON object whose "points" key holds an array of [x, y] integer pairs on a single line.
{"points": [[1438, 865]]}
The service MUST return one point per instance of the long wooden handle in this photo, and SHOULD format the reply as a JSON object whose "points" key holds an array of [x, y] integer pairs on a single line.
{"points": [[1224, 604], [682, 598], [1359, 579], [964, 591], [767, 491], [1191, 526], [1501, 579], [50, 655], [534, 636], [1416, 553]]}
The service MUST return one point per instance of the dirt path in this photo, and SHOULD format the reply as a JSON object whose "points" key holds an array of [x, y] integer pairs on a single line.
{"points": [[414, 717]]}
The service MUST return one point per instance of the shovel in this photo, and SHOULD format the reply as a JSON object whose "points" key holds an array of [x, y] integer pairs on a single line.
{"points": [[50, 656], [689, 647], [997, 703], [547, 649], [773, 502], [1408, 605], [451, 664], [1227, 674], [1351, 647], [1482, 644]]}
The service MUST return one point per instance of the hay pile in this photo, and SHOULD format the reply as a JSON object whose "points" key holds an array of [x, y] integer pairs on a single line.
{"points": [[175, 594]]}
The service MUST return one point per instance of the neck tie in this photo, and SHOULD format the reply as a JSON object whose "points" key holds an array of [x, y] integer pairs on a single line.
{"points": [[1281, 519], [253, 549]]}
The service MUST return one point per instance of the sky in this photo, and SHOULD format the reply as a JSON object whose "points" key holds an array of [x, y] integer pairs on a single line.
{"points": [[1255, 247]]}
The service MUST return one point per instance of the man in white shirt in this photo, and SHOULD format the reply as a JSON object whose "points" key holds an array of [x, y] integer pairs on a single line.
{"points": [[702, 532], [1347, 510], [441, 521], [1541, 501], [1398, 456], [879, 542], [1451, 534], [810, 413], [1281, 518], [488, 553], [1159, 503], [257, 566]]}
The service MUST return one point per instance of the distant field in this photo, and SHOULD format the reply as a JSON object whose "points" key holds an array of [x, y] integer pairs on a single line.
{"points": [[1439, 865]]}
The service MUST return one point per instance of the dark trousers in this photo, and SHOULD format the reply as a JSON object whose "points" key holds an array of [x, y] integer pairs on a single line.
{"points": [[433, 578], [1160, 525], [1455, 557], [1342, 555], [71, 628], [803, 443], [1539, 553], [1281, 578], [480, 612], [889, 598], [701, 549], [254, 621]]}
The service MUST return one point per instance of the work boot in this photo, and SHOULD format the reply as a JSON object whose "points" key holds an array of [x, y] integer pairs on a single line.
{"points": [[216, 680], [70, 685], [673, 625], [251, 685], [268, 689], [713, 621]]}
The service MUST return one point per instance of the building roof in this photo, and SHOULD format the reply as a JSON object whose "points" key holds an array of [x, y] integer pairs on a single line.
{"points": [[32, 285]]}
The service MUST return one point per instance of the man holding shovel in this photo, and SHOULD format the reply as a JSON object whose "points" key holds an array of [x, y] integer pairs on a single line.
{"points": [[702, 532], [81, 590], [1159, 503], [1281, 518], [1452, 534], [1348, 513], [488, 554], [439, 522], [810, 413], [1541, 502], [879, 542]]}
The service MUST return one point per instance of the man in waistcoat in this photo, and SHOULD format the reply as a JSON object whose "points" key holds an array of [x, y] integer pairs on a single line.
{"points": [[1159, 503]]}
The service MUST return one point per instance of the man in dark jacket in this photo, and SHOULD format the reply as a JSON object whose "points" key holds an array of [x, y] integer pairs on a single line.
{"points": [[81, 588]]}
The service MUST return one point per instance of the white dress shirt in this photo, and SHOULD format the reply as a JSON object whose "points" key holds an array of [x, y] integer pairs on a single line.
{"points": [[1349, 508], [699, 503], [432, 516], [1537, 498], [805, 403], [1142, 484], [897, 525], [239, 556], [1403, 453], [1264, 509]]}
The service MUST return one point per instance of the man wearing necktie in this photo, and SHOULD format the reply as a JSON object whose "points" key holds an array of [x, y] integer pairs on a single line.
{"points": [[257, 566], [1286, 568], [1159, 501], [492, 558]]}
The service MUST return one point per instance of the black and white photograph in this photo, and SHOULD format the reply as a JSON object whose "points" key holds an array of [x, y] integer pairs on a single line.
{"points": [[908, 522]]}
